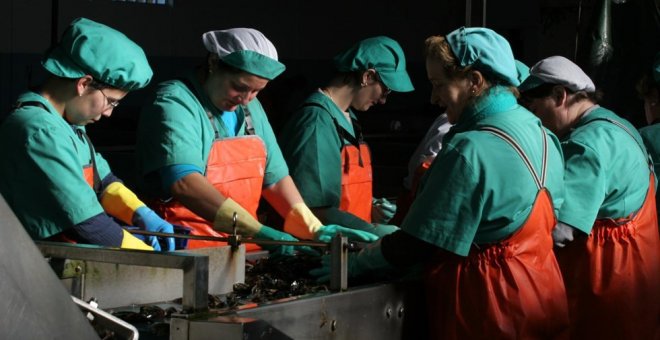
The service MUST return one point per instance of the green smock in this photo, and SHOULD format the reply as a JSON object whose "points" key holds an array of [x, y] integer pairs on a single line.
{"points": [[41, 174], [175, 128], [651, 137], [607, 173], [478, 190], [312, 149]]}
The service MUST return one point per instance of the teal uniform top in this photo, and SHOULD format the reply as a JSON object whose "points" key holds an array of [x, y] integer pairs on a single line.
{"points": [[651, 137], [478, 190], [41, 174], [312, 149], [175, 128], [607, 172]]}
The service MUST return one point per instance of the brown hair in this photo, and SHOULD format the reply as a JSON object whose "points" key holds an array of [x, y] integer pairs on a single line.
{"points": [[437, 47]]}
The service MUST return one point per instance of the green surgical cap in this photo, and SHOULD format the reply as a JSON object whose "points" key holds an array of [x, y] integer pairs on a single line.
{"points": [[88, 47], [381, 54], [486, 51], [523, 70]]}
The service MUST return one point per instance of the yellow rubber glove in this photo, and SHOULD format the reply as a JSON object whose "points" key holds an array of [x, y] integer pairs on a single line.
{"points": [[224, 219], [120, 202], [131, 242], [301, 222]]}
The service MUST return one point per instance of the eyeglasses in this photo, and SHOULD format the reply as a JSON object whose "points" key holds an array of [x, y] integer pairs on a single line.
{"points": [[386, 90], [111, 102]]}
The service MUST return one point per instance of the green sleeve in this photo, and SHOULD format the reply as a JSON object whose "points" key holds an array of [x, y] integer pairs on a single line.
{"points": [[276, 167], [312, 148], [585, 185], [173, 129], [60, 193], [448, 207]]}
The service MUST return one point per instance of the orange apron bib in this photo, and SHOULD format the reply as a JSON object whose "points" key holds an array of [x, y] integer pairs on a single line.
{"points": [[235, 167], [612, 277], [509, 290], [356, 181]]}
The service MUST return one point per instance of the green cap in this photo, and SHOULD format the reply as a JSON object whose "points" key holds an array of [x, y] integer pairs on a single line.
{"points": [[523, 71], [88, 47], [382, 54], [245, 49], [486, 51]]}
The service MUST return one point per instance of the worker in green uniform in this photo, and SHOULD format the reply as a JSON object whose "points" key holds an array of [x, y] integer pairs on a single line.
{"points": [[607, 234], [323, 143], [50, 175], [206, 149], [484, 211]]}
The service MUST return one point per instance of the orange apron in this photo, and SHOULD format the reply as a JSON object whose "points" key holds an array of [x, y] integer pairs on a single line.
{"points": [[356, 181], [509, 290], [612, 277], [235, 167]]}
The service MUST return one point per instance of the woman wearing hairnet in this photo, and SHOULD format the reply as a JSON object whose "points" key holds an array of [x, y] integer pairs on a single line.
{"points": [[323, 144], [206, 150], [608, 225], [54, 181], [483, 214]]}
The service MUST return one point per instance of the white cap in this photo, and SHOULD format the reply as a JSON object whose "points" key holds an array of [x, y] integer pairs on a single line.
{"points": [[559, 71]]}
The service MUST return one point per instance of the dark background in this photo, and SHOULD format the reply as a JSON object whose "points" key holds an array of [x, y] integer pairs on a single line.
{"points": [[309, 33]]}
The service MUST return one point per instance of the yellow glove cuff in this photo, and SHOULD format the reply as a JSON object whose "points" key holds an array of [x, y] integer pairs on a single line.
{"points": [[301, 222], [120, 202], [224, 219], [131, 242]]}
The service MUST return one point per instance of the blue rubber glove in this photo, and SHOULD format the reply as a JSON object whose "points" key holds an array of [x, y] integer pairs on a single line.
{"points": [[269, 233], [327, 232], [369, 259], [382, 210], [147, 219]]}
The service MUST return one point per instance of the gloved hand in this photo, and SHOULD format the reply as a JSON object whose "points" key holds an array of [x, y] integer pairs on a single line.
{"points": [[269, 233], [148, 220], [562, 234], [369, 259], [382, 210], [327, 232], [383, 229]]}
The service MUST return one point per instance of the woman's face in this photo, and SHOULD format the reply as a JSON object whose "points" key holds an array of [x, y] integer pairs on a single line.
{"points": [[92, 104], [452, 94], [229, 90], [374, 92]]}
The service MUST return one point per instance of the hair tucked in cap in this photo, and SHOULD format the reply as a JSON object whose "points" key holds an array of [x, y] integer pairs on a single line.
{"points": [[245, 49], [88, 47]]}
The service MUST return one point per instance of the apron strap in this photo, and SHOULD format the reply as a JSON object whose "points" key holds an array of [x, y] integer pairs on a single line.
{"points": [[343, 134], [625, 128], [540, 181]]}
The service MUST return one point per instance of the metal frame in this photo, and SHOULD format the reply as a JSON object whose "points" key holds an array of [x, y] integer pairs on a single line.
{"points": [[195, 266]]}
